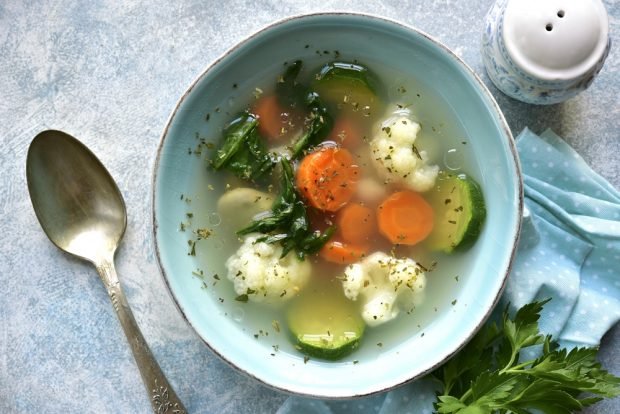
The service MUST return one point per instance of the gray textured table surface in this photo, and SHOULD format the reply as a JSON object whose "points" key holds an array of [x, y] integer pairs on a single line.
{"points": [[109, 72]]}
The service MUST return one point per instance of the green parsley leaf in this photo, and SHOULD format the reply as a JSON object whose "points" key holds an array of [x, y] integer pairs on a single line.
{"points": [[450, 404], [488, 377], [523, 331], [491, 389]]}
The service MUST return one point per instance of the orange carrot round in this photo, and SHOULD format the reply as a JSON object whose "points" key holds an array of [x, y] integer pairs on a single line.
{"points": [[405, 217], [342, 253], [356, 223], [327, 178], [345, 132], [270, 121]]}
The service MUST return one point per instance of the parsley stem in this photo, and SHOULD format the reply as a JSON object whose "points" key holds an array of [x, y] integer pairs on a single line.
{"points": [[466, 395], [513, 357], [517, 368]]}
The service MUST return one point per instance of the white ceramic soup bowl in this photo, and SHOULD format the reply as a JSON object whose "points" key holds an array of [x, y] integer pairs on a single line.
{"points": [[186, 190]]}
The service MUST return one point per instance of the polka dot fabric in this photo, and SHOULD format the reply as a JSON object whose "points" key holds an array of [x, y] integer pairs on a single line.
{"points": [[569, 251], [575, 217]]}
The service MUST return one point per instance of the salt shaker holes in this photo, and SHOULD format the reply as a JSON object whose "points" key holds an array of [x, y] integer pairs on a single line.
{"points": [[549, 26]]}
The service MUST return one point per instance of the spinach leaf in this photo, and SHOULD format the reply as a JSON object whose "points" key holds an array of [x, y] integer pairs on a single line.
{"points": [[288, 222], [242, 151], [320, 124], [291, 93]]}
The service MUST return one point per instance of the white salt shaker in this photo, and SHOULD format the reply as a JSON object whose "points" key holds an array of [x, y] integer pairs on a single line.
{"points": [[545, 51]]}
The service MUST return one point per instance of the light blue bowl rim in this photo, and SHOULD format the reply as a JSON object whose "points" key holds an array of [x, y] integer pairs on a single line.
{"points": [[497, 113]]}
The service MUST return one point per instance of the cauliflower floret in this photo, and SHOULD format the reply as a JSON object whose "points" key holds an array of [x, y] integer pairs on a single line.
{"points": [[396, 158], [385, 286], [257, 270]]}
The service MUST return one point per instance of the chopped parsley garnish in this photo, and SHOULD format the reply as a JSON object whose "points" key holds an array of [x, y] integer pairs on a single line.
{"points": [[242, 298], [192, 246]]}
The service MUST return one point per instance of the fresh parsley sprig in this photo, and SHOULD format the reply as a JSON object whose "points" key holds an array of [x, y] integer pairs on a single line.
{"points": [[488, 375]]}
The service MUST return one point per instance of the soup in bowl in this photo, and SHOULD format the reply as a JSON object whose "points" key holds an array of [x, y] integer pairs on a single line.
{"points": [[336, 205]]}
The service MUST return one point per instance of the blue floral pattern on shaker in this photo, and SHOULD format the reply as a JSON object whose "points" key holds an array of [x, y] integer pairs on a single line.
{"points": [[513, 80]]}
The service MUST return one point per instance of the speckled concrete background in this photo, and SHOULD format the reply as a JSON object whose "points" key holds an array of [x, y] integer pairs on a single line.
{"points": [[109, 72]]}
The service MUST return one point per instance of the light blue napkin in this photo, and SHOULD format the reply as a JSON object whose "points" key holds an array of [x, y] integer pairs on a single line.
{"points": [[569, 251]]}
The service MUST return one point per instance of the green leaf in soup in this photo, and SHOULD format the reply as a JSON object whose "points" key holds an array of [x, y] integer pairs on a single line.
{"points": [[313, 242], [252, 160], [288, 223], [299, 224], [242, 151], [319, 126], [235, 134], [290, 92], [288, 195], [281, 209]]}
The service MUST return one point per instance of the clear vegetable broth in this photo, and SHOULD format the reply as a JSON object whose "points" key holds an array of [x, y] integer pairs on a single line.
{"points": [[441, 136]]}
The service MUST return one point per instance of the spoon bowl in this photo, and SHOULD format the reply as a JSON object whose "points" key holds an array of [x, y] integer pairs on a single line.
{"points": [[74, 197], [83, 213]]}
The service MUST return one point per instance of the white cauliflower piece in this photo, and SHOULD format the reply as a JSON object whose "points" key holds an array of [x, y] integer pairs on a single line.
{"points": [[371, 191], [257, 270], [385, 286], [396, 158]]}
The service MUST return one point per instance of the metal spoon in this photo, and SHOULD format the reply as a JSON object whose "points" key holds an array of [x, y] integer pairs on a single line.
{"points": [[83, 213]]}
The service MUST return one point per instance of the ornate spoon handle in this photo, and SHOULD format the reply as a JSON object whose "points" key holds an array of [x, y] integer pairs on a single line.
{"points": [[163, 398]]}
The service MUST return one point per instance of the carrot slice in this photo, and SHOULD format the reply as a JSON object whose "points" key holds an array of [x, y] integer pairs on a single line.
{"points": [[356, 223], [405, 217], [345, 132], [327, 178], [342, 253], [271, 124]]}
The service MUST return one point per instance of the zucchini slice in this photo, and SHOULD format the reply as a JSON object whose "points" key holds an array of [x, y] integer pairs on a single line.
{"points": [[459, 212], [324, 323], [348, 88]]}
